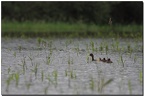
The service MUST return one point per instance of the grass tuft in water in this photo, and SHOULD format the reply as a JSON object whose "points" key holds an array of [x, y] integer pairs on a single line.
{"points": [[9, 79], [42, 75], [140, 77], [129, 86], [92, 85], [46, 90], [16, 75]]}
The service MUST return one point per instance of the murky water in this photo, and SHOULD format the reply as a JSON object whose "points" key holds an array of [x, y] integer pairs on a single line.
{"points": [[63, 66]]}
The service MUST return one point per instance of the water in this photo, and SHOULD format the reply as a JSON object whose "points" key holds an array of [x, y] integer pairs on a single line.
{"points": [[69, 67]]}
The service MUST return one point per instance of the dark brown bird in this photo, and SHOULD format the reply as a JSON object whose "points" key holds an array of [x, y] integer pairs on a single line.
{"points": [[109, 61], [92, 57], [103, 60]]}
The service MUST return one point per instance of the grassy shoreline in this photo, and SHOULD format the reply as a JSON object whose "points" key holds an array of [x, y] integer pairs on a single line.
{"points": [[61, 29]]}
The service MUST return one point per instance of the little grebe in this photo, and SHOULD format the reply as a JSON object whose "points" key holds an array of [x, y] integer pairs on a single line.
{"points": [[109, 61], [104, 60], [92, 57]]}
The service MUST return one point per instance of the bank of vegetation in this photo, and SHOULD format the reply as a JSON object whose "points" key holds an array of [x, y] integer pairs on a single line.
{"points": [[72, 19]]}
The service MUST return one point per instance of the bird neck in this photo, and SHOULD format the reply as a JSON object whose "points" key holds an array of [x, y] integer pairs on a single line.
{"points": [[93, 58]]}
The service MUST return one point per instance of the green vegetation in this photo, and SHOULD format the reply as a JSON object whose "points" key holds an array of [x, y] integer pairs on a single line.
{"points": [[16, 75], [73, 11], [61, 29], [141, 77], [51, 75], [130, 86]]}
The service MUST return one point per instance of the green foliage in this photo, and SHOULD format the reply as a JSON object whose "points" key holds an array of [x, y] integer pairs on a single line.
{"points": [[141, 76], [130, 86], [16, 75], [88, 12], [62, 29], [92, 85]]}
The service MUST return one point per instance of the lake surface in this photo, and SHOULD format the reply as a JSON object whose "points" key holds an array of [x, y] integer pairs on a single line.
{"points": [[63, 66]]}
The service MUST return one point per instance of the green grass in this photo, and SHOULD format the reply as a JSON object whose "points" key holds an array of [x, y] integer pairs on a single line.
{"points": [[61, 29]]}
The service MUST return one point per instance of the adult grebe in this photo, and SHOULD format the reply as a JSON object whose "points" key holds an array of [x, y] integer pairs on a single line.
{"points": [[92, 57]]}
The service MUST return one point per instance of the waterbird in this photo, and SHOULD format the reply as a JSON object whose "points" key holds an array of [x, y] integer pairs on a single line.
{"points": [[92, 57], [103, 60], [109, 61]]}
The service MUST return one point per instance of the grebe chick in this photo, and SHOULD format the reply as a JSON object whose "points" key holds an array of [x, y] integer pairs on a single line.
{"points": [[104, 60], [109, 61]]}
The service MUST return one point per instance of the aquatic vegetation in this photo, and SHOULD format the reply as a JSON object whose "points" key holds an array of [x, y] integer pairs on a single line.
{"points": [[87, 58], [29, 83], [140, 76], [70, 61], [72, 75], [106, 49], [92, 46], [48, 60], [9, 79], [51, 81], [92, 84], [39, 40], [66, 73], [46, 90], [42, 75], [130, 86], [121, 58], [35, 70], [16, 75], [55, 74], [102, 84], [9, 69], [14, 54]]}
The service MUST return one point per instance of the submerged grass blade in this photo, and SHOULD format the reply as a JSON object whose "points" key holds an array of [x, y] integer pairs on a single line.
{"points": [[91, 84], [129, 86], [141, 76], [16, 78], [107, 82]]}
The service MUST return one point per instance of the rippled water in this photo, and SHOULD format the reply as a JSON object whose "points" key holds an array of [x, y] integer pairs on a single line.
{"points": [[63, 66]]}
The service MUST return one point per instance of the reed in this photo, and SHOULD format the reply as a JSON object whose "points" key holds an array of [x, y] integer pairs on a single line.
{"points": [[106, 49], [123, 62], [48, 60], [46, 90], [24, 67], [28, 83], [9, 79], [55, 74], [70, 61], [66, 73], [92, 84], [101, 48], [35, 70], [87, 58], [129, 86], [102, 84], [14, 54], [92, 46], [9, 69], [16, 75], [141, 76], [42, 75], [39, 40]]}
